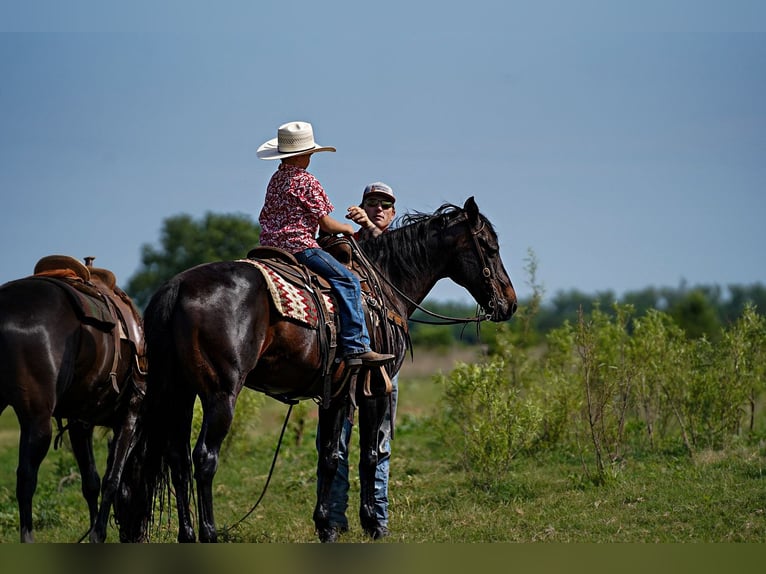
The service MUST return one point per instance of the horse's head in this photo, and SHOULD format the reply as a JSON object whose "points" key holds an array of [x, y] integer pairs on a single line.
{"points": [[476, 263], [132, 505]]}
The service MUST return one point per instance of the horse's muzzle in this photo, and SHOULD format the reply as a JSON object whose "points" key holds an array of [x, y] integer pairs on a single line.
{"points": [[504, 312], [505, 308]]}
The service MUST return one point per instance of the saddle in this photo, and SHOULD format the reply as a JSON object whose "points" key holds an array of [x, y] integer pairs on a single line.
{"points": [[317, 300], [99, 302]]}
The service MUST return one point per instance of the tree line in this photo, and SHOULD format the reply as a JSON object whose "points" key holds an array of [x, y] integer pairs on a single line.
{"points": [[701, 310]]}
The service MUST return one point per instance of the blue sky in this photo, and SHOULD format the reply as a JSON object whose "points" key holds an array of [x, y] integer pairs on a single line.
{"points": [[624, 143]]}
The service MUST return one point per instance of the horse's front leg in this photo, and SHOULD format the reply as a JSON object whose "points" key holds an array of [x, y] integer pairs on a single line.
{"points": [[330, 426], [371, 412], [81, 438]]}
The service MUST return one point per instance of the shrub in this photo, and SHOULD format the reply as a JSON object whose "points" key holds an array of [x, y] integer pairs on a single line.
{"points": [[487, 417], [612, 384]]}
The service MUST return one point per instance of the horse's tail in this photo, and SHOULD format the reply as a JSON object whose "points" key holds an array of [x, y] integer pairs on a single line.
{"points": [[146, 474]]}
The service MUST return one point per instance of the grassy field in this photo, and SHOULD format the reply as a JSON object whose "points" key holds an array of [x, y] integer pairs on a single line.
{"points": [[716, 496]]}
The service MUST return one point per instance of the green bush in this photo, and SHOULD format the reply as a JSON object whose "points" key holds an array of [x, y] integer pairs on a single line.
{"points": [[610, 386], [489, 418]]}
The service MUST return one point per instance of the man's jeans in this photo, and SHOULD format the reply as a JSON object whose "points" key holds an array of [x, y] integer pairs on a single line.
{"points": [[340, 485], [353, 337]]}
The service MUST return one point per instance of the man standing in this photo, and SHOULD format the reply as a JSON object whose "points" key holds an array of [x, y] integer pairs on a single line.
{"points": [[374, 216]]}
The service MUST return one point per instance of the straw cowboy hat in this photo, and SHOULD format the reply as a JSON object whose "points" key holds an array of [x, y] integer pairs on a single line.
{"points": [[293, 138]]}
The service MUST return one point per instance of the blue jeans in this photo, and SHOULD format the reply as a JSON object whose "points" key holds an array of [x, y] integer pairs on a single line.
{"points": [[340, 485], [353, 337]]}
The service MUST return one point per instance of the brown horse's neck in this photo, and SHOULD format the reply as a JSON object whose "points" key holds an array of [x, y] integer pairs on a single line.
{"points": [[411, 260]]}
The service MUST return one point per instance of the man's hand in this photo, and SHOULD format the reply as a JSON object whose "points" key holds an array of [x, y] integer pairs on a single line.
{"points": [[358, 216]]}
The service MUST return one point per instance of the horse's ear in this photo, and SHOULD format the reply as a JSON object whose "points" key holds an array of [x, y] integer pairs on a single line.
{"points": [[471, 209]]}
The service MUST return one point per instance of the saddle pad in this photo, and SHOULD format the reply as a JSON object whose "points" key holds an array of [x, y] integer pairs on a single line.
{"points": [[86, 300], [290, 300]]}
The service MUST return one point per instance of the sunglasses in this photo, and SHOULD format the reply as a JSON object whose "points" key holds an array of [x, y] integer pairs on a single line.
{"points": [[373, 202]]}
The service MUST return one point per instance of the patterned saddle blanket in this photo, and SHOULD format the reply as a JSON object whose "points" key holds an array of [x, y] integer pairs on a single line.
{"points": [[293, 298]]}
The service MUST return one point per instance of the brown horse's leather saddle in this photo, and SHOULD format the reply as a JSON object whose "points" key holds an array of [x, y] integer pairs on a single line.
{"points": [[287, 263], [284, 263], [99, 302]]}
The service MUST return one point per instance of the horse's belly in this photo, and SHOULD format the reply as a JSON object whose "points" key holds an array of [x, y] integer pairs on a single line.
{"points": [[291, 379]]}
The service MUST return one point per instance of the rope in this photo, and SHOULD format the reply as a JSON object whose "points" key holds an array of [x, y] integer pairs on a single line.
{"points": [[268, 478]]}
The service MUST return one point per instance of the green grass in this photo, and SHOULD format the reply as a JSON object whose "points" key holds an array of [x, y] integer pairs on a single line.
{"points": [[713, 497]]}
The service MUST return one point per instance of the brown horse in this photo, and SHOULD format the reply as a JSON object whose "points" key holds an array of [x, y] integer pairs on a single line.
{"points": [[69, 350], [212, 330]]}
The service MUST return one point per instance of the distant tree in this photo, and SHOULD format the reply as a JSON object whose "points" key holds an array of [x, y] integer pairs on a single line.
{"points": [[186, 242], [697, 315], [642, 301], [566, 306], [740, 297]]}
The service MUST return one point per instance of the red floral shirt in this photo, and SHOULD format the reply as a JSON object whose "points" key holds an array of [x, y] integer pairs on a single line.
{"points": [[295, 202]]}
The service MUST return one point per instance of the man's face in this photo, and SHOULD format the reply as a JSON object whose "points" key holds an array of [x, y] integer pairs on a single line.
{"points": [[380, 210]]}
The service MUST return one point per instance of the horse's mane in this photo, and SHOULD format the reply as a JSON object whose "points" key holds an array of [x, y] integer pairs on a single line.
{"points": [[407, 239]]}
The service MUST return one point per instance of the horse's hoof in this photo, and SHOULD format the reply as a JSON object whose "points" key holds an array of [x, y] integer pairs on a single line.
{"points": [[330, 534], [378, 532]]}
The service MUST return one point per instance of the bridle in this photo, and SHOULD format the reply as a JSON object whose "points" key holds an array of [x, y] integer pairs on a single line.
{"points": [[486, 270], [446, 320]]}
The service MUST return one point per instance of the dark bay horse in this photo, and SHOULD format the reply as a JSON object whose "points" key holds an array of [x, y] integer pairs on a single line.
{"points": [[212, 330], [60, 361]]}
